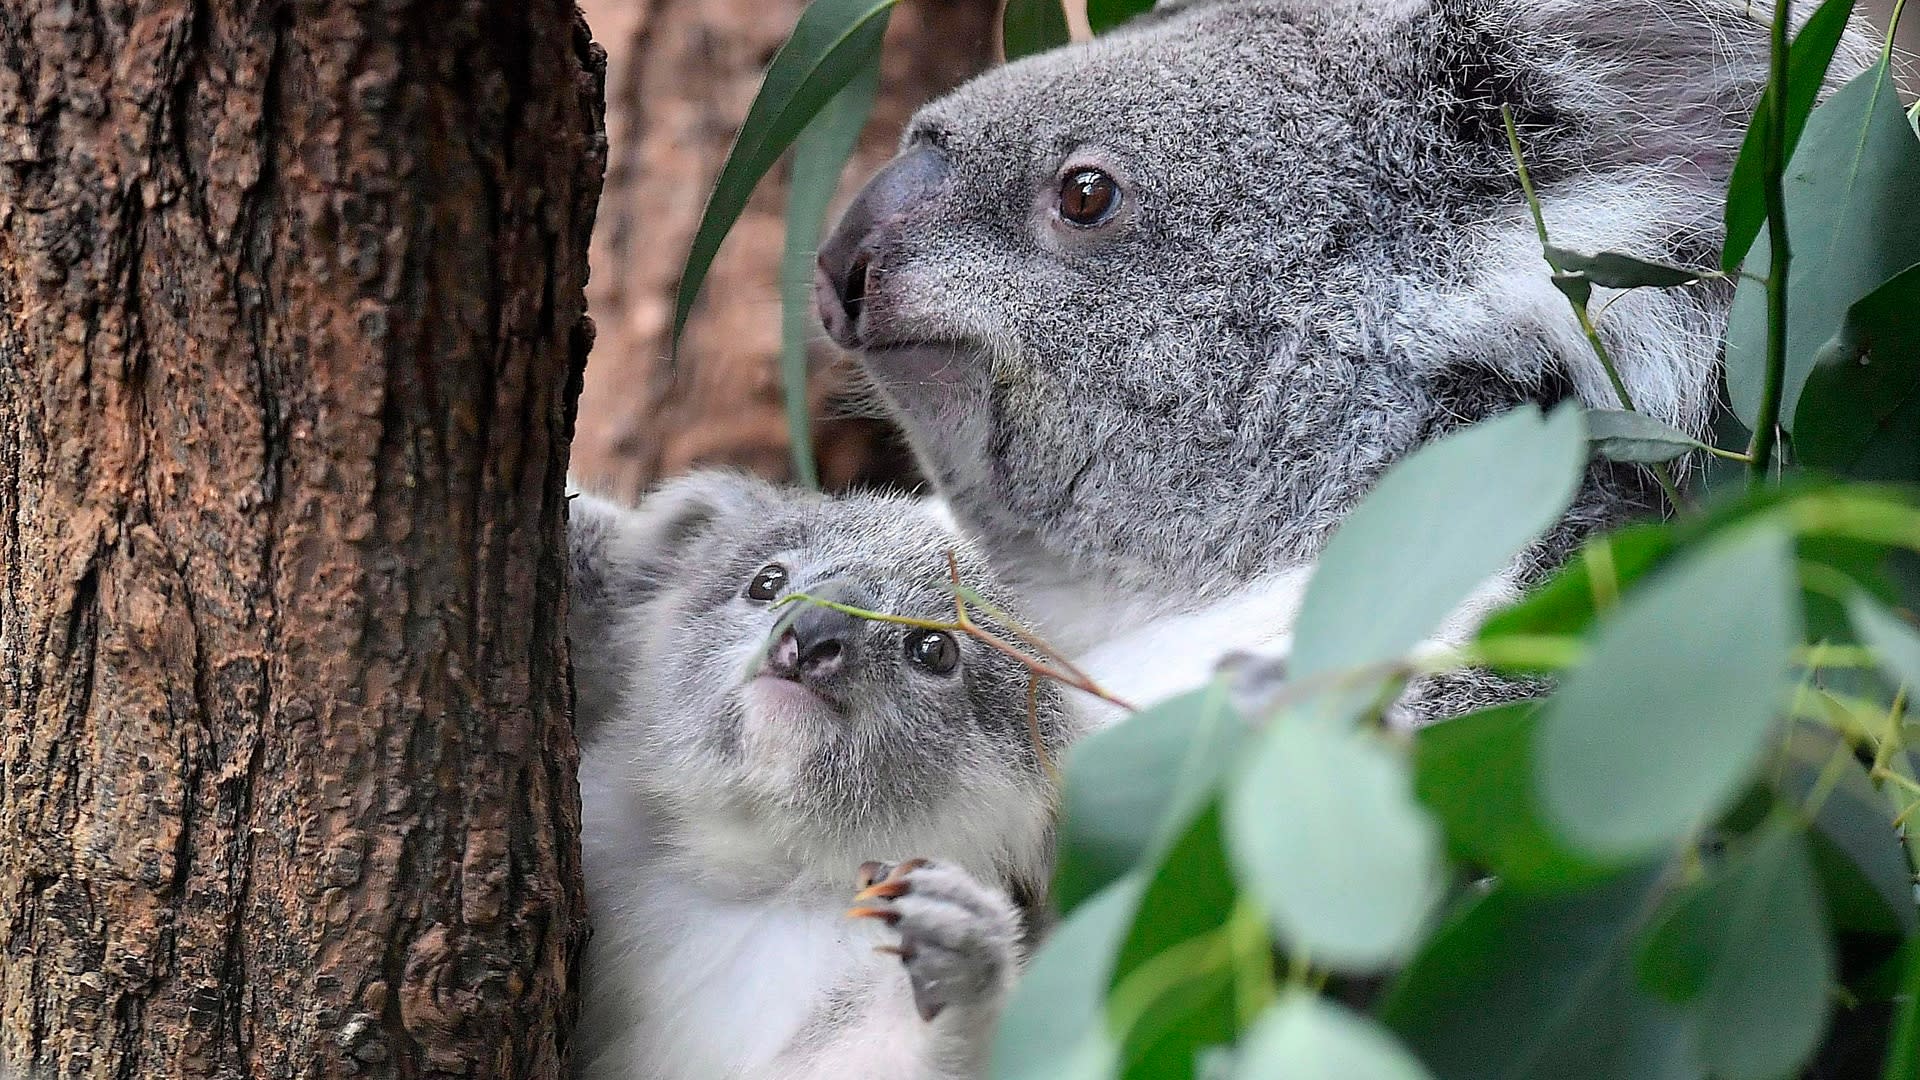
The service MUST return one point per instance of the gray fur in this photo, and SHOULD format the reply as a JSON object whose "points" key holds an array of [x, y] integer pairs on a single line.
{"points": [[1321, 262], [724, 822]]}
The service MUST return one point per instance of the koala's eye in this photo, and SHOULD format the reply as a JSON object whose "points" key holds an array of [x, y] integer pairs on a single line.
{"points": [[766, 584], [1088, 197], [934, 650]]}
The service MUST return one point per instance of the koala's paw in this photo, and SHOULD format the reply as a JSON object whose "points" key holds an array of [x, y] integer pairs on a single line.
{"points": [[959, 939]]}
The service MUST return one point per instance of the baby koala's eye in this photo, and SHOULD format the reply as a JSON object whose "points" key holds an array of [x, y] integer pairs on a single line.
{"points": [[934, 650], [766, 584], [1088, 197]]}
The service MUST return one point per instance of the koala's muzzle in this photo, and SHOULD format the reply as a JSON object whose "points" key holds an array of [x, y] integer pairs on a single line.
{"points": [[820, 643], [851, 259]]}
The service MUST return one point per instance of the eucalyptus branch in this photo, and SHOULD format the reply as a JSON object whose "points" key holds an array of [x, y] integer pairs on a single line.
{"points": [[1050, 665], [1580, 312], [1767, 422]]}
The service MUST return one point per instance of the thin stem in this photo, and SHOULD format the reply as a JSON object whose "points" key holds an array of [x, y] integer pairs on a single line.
{"points": [[1766, 427], [1580, 313], [1065, 673]]}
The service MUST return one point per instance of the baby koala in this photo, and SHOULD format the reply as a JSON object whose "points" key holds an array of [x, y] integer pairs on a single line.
{"points": [[747, 765]]}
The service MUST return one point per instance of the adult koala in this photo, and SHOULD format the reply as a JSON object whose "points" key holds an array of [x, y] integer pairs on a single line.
{"points": [[1156, 310]]}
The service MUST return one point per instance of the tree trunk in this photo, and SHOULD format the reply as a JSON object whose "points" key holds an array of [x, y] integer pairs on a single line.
{"points": [[291, 328], [681, 74]]}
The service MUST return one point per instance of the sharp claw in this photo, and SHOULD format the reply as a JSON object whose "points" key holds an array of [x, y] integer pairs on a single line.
{"points": [[885, 915], [870, 872], [889, 889], [908, 867], [901, 951]]}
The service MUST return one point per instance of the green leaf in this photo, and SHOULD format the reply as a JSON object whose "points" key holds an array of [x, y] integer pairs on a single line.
{"points": [[1856, 851], [1612, 270], [1189, 896], [1520, 987], [1302, 1037], [1324, 830], [1576, 287], [1589, 582], [1636, 438], [1807, 62], [1854, 224], [1438, 525], [1748, 951], [1858, 412], [1609, 565], [1475, 772], [819, 154], [1054, 1027], [1131, 787], [1894, 642], [834, 41], [1031, 26], [1663, 724], [1903, 1042], [1104, 15]]}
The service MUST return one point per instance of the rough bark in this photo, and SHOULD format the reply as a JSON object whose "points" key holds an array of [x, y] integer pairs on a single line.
{"points": [[291, 326], [681, 74]]}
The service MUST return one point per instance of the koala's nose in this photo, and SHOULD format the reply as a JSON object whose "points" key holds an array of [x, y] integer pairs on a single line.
{"points": [[820, 643], [842, 279]]}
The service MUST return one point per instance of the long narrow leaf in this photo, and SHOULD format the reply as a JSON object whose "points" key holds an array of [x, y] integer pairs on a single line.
{"points": [[1807, 62], [834, 41], [1032, 26], [1855, 225], [1104, 15], [819, 155]]}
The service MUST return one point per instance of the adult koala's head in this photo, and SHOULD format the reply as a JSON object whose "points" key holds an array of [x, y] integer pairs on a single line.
{"points": [[1155, 310]]}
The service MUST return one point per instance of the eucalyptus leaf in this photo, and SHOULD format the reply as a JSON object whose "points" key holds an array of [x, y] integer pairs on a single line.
{"points": [[1520, 987], [1903, 1042], [1054, 1026], [1576, 287], [1129, 788], [1674, 708], [1636, 438], [1324, 830], [1748, 951], [1854, 224], [1894, 642], [1104, 15], [1302, 1037], [1436, 527], [1575, 595], [820, 152], [1857, 413], [1856, 850], [833, 43], [1807, 61], [1475, 773], [1032, 26], [1189, 895], [1612, 270]]}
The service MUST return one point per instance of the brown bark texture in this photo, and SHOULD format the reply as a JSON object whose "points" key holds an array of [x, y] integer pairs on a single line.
{"points": [[291, 327], [681, 74]]}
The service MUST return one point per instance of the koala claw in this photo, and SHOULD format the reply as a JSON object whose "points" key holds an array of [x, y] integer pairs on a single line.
{"points": [[959, 939]]}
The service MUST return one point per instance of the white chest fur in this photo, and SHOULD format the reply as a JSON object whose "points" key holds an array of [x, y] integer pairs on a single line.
{"points": [[684, 984]]}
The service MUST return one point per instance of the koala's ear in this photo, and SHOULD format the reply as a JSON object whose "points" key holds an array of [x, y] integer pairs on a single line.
{"points": [[1667, 83], [620, 556]]}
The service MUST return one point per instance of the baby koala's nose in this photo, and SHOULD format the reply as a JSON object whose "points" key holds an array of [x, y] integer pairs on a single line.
{"points": [[820, 642]]}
